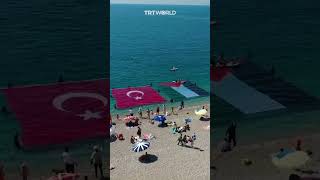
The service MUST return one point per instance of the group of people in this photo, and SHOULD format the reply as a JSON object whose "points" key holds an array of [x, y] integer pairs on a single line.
{"points": [[177, 129], [183, 140], [96, 160]]}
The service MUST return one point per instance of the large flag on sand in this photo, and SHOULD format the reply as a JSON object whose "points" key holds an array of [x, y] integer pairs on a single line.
{"points": [[136, 96], [239, 94], [60, 113], [252, 89]]}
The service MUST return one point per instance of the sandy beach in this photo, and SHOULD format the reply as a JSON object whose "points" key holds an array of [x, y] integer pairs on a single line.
{"points": [[173, 161], [229, 166]]}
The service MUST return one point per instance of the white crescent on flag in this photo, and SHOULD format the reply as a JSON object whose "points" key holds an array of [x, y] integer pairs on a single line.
{"points": [[135, 97], [59, 100]]}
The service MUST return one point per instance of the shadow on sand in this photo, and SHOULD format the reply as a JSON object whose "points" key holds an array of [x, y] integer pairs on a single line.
{"points": [[149, 158], [196, 148], [204, 119], [163, 125]]}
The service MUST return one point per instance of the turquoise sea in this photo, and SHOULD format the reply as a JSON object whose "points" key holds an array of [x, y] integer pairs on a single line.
{"points": [[143, 48], [284, 34]]}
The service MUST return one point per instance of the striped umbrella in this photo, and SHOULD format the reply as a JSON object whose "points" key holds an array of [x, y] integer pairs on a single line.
{"points": [[140, 146]]}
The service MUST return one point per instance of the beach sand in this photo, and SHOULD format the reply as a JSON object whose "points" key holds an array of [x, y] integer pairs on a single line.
{"points": [[173, 161], [229, 167]]}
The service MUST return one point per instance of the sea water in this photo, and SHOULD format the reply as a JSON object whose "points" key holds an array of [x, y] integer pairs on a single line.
{"points": [[145, 47], [279, 33]]}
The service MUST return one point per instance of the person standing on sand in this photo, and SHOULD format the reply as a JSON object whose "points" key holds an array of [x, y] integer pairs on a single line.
{"points": [[139, 131], [164, 108], [24, 170], [140, 112], [1, 171], [158, 110], [148, 113], [17, 141], [298, 147], [96, 160], [180, 141], [184, 140], [68, 161], [231, 133], [132, 140], [182, 104]]}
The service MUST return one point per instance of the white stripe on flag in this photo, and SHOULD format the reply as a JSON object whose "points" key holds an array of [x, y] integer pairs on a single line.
{"points": [[185, 91], [243, 97]]}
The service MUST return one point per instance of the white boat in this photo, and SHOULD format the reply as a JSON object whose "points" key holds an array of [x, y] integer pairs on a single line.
{"points": [[174, 68]]}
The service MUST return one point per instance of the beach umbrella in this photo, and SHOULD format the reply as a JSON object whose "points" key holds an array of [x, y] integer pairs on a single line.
{"points": [[112, 130], [188, 120], [291, 160], [160, 118], [201, 112], [140, 146]]}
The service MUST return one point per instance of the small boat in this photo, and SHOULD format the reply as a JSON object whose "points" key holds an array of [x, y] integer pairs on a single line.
{"points": [[174, 68]]}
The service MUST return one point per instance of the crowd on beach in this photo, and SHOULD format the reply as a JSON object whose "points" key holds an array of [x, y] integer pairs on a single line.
{"points": [[134, 121], [69, 171]]}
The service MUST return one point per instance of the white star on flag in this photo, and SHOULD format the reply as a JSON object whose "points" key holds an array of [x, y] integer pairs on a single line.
{"points": [[138, 98], [89, 114]]}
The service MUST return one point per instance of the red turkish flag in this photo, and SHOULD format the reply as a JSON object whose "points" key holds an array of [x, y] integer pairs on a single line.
{"points": [[136, 96], [61, 113]]}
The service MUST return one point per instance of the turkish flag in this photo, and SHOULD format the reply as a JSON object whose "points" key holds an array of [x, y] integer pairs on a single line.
{"points": [[136, 96], [61, 113]]}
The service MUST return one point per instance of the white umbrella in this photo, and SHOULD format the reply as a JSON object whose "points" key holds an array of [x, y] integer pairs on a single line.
{"points": [[140, 146], [201, 112], [291, 160]]}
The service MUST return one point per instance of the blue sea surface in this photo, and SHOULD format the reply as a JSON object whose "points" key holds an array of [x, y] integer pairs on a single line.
{"points": [[144, 48]]}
